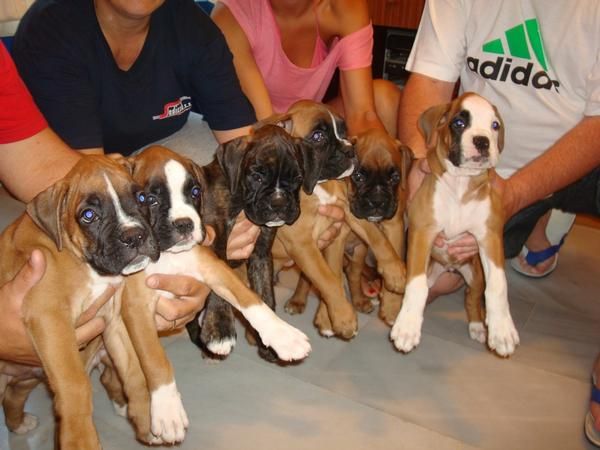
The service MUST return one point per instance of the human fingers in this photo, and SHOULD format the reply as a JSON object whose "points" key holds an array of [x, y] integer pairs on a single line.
{"points": [[89, 313], [328, 236], [332, 211], [89, 330], [210, 236], [463, 248], [28, 276], [163, 324], [242, 238]]}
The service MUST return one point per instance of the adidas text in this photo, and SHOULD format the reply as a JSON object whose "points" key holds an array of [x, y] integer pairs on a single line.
{"points": [[503, 70]]}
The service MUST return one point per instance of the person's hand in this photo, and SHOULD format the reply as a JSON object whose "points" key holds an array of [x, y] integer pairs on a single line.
{"points": [[461, 248], [190, 296], [15, 344], [242, 238], [337, 214]]}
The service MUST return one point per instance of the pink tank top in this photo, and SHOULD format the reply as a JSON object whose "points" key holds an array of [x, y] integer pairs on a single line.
{"points": [[285, 81]]}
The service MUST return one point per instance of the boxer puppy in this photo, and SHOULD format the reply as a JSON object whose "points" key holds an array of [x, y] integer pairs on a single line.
{"points": [[320, 154], [464, 139], [174, 190], [380, 174], [92, 229]]}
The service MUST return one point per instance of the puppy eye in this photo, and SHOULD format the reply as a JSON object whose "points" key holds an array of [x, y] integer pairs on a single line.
{"points": [[317, 136], [88, 215], [358, 177], [151, 200], [459, 123], [195, 192], [394, 178], [495, 125], [257, 177], [141, 197]]}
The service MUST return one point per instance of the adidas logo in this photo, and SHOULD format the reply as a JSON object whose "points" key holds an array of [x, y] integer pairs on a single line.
{"points": [[523, 42]]}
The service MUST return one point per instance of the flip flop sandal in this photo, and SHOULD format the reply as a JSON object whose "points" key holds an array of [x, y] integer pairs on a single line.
{"points": [[535, 258], [591, 432]]}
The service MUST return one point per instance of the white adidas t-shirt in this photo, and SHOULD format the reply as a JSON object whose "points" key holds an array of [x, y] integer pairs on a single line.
{"points": [[538, 61]]}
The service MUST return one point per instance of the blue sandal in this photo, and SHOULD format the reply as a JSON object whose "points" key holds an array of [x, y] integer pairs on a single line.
{"points": [[591, 432], [534, 258]]}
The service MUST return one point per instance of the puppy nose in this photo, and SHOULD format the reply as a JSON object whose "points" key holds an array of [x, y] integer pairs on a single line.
{"points": [[133, 237], [278, 200], [378, 198], [482, 144], [183, 226]]}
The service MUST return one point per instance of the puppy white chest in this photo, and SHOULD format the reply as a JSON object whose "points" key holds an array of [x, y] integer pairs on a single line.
{"points": [[453, 215], [96, 286]]}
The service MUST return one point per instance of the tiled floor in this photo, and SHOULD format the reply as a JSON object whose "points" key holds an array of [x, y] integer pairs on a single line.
{"points": [[450, 393]]}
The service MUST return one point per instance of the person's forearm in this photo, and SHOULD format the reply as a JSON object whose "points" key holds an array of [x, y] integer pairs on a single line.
{"points": [[574, 155], [419, 94], [29, 166]]}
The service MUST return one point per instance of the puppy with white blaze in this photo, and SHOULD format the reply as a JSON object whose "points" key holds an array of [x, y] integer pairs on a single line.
{"points": [[173, 187], [464, 139]]}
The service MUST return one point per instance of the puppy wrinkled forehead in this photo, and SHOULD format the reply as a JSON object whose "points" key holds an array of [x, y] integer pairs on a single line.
{"points": [[479, 108]]}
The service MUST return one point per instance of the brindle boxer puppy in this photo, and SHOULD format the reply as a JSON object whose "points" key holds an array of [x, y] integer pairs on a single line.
{"points": [[464, 140], [260, 174], [92, 229], [382, 167]]}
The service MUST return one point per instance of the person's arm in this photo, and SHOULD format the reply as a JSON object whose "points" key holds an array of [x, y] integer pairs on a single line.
{"points": [[574, 155], [29, 166], [245, 65]]}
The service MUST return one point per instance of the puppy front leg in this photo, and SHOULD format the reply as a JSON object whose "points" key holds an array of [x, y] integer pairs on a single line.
{"points": [[354, 270], [502, 334], [17, 420], [391, 302], [297, 302], [406, 331], [123, 356], [389, 264], [53, 335], [168, 417]]}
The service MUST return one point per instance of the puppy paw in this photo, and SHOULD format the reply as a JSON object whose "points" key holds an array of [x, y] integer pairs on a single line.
{"points": [[295, 306], [288, 342], [389, 307], [477, 332], [120, 410], [169, 419], [394, 277], [363, 304], [221, 347], [406, 332], [29, 423], [503, 337]]}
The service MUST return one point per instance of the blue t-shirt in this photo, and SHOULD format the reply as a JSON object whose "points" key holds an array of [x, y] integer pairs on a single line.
{"points": [[89, 101]]}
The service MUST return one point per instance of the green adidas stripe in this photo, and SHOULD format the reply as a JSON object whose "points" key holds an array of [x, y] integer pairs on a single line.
{"points": [[517, 39], [535, 39]]}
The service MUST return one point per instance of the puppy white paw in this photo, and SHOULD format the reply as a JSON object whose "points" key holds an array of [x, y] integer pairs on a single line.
{"points": [[477, 332], [223, 347], [169, 419], [327, 333], [288, 342], [503, 337], [29, 423], [120, 410], [406, 331]]}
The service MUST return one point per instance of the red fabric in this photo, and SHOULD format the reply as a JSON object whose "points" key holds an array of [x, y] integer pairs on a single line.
{"points": [[19, 116]]}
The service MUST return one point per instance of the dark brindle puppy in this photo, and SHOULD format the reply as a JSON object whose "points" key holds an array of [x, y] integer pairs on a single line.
{"points": [[243, 177]]}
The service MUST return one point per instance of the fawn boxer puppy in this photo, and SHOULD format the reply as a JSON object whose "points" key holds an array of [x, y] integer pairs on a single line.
{"points": [[262, 175], [92, 229], [373, 197], [464, 140]]}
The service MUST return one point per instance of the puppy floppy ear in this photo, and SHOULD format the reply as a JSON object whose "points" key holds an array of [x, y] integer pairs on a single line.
{"points": [[430, 122], [310, 161], [230, 156], [406, 158], [47, 210]]}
